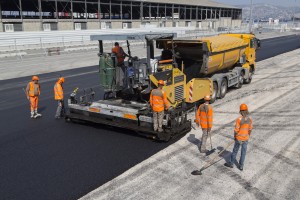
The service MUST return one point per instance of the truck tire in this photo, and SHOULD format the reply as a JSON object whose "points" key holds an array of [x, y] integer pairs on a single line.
{"points": [[215, 92], [249, 79], [223, 89], [240, 80]]}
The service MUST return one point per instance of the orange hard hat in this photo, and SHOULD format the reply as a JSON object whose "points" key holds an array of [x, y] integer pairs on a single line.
{"points": [[243, 107], [161, 82], [207, 98], [61, 79], [35, 78]]}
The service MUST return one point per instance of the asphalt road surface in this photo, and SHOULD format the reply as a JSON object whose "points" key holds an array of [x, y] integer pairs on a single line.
{"points": [[51, 159]]}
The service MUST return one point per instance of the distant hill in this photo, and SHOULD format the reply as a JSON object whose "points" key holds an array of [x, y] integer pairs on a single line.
{"points": [[266, 11]]}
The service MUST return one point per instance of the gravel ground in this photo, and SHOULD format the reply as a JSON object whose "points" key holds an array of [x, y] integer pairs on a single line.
{"points": [[272, 166]]}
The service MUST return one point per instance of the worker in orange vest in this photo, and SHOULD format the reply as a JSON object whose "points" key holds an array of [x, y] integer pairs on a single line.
{"points": [[158, 103], [242, 132], [32, 92], [120, 53], [204, 118], [59, 97]]}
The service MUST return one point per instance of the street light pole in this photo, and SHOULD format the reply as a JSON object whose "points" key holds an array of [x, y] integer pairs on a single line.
{"points": [[294, 14], [250, 21]]}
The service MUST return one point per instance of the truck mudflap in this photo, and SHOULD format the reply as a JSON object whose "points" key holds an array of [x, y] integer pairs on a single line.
{"points": [[140, 121]]}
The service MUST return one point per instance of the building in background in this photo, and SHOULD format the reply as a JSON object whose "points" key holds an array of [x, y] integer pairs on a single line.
{"points": [[50, 15], [297, 17]]}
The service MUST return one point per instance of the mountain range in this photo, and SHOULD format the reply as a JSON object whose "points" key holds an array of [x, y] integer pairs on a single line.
{"points": [[266, 11]]}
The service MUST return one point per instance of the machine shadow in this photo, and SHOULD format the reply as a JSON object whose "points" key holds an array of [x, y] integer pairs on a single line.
{"points": [[126, 132]]}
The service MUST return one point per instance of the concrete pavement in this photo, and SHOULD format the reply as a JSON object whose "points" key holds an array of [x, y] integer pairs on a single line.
{"points": [[272, 164]]}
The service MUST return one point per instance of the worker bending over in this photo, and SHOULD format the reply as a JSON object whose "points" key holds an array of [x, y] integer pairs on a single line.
{"points": [[120, 53], [158, 103], [204, 118], [242, 133], [32, 93], [59, 97]]}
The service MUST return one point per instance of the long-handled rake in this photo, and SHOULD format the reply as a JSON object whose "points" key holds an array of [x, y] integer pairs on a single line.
{"points": [[210, 163]]}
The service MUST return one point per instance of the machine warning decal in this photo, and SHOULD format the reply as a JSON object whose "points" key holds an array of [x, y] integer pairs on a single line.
{"points": [[130, 116], [96, 110]]}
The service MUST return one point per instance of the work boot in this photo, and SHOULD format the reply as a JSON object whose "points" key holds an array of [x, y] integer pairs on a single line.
{"points": [[37, 114], [241, 168], [228, 165], [32, 114]]}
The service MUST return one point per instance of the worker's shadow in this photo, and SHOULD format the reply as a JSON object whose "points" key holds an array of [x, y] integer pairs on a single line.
{"points": [[192, 139], [226, 155]]}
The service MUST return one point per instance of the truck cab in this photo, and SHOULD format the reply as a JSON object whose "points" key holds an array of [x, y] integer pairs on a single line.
{"points": [[253, 44]]}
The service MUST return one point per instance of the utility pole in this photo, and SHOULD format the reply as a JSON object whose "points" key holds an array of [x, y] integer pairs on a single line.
{"points": [[294, 14], [250, 20]]}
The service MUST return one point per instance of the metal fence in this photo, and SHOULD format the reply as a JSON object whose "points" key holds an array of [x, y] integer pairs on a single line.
{"points": [[18, 44], [31, 40], [39, 40]]}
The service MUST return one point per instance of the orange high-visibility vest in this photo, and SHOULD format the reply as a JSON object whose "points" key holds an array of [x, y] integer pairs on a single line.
{"points": [[58, 91], [204, 116], [158, 100], [242, 128], [33, 89], [119, 52]]}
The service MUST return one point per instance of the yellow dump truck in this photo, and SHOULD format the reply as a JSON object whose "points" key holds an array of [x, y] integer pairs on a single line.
{"points": [[190, 69], [209, 65]]}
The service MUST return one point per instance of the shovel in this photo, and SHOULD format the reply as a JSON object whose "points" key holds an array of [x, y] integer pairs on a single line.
{"points": [[212, 150]]}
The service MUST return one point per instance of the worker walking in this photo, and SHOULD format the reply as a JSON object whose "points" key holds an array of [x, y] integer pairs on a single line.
{"points": [[204, 118], [32, 93], [242, 132], [158, 103], [59, 97], [120, 53]]}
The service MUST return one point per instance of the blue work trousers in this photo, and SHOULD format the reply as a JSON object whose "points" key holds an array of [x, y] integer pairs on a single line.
{"points": [[235, 150]]}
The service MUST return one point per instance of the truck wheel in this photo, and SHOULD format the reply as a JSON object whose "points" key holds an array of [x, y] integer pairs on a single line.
{"points": [[248, 80], [240, 80], [214, 94], [223, 89]]}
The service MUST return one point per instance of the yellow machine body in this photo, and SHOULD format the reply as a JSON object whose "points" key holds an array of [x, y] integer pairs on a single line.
{"points": [[210, 55]]}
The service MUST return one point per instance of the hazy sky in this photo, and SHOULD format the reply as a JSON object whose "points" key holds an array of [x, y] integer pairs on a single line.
{"points": [[272, 2]]}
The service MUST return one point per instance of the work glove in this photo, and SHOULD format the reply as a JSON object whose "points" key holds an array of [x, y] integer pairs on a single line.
{"points": [[198, 123], [170, 108]]}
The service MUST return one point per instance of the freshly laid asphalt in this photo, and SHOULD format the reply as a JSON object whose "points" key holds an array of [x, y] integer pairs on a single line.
{"points": [[51, 159]]}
